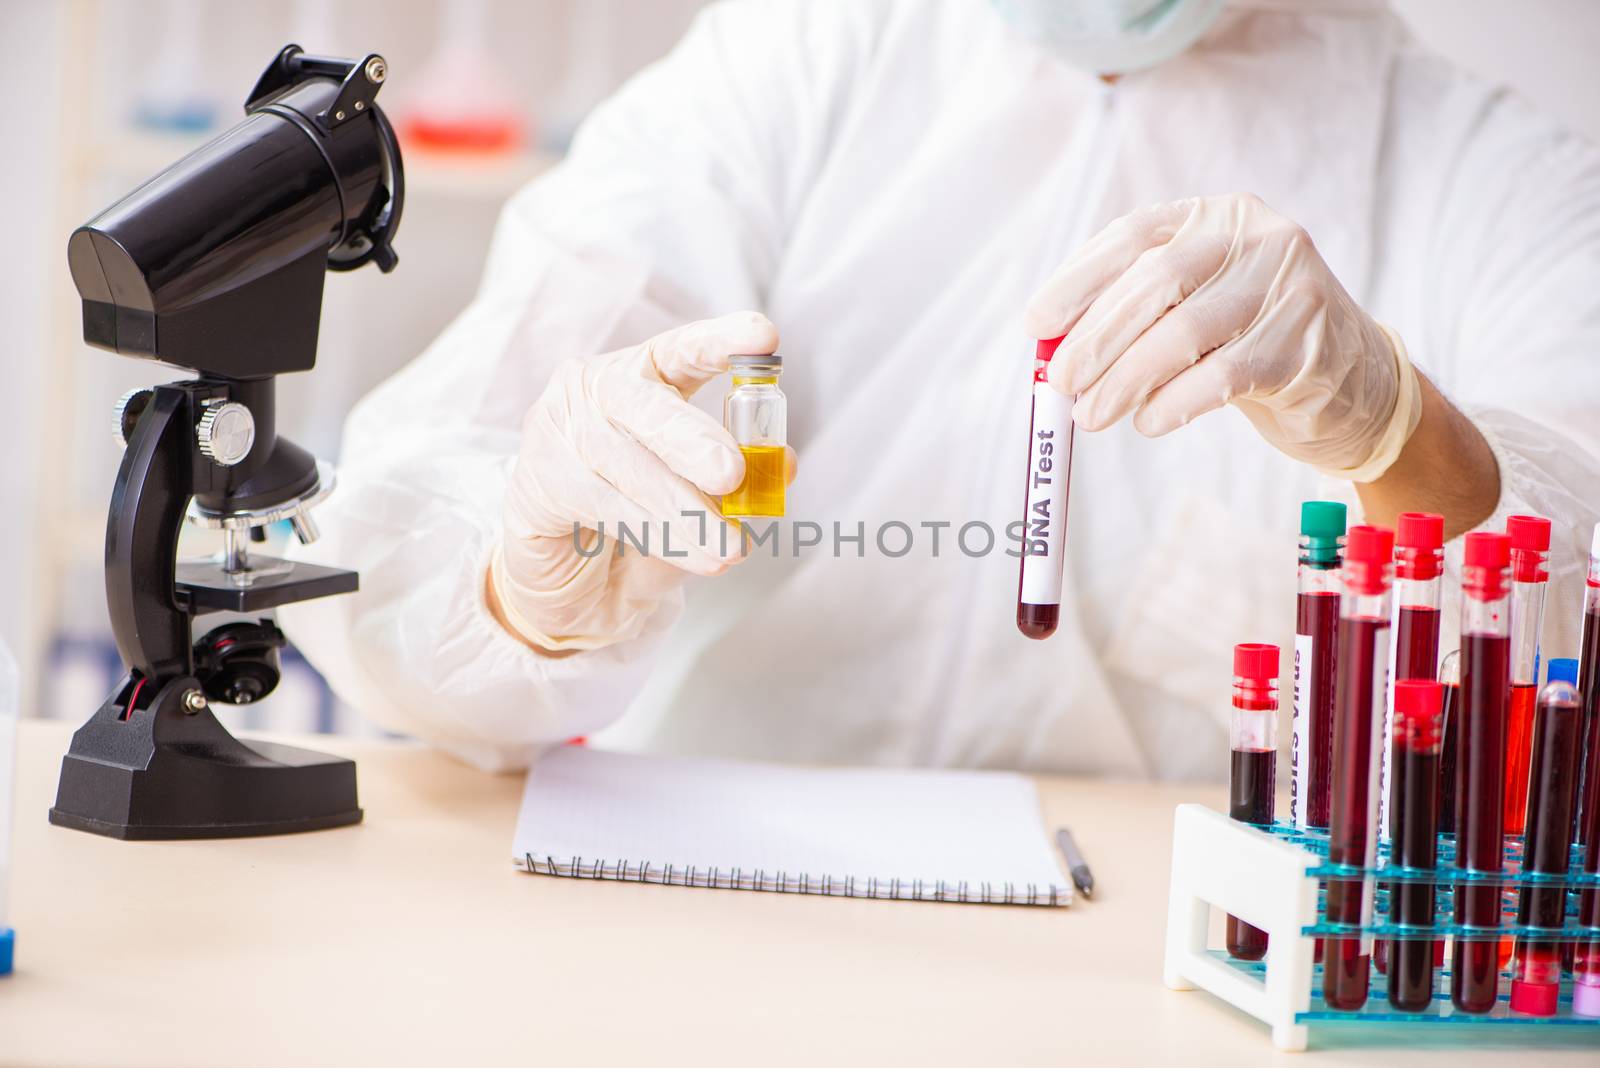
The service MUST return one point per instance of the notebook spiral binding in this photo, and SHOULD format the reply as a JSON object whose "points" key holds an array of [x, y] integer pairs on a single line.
{"points": [[799, 883]]}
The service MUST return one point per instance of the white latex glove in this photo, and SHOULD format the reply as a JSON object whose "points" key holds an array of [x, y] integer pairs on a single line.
{"points": [[613, 439], [1177, 309]]}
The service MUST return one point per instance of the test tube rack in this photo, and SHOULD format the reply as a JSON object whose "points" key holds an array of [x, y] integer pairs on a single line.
{"points": [[1269, 877]]}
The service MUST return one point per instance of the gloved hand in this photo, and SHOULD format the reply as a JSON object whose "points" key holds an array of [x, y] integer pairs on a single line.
{"points": [[1174, 310], [614, 439]]}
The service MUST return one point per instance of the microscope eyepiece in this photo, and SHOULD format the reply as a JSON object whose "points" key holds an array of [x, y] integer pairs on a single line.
{"points": [[217, 263]]}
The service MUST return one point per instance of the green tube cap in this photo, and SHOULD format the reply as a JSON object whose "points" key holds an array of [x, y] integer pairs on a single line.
{"points": [[1322, 525]]}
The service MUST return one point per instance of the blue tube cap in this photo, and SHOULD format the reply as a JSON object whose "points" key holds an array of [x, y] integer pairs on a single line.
{"points": [[8, 942], [1562, 669]]}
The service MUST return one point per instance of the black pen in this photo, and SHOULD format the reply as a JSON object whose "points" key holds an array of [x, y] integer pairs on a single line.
{"points": [[1082, 877]]}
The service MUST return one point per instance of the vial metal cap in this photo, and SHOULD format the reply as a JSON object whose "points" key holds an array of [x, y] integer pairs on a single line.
{"points": [[746, 363]]}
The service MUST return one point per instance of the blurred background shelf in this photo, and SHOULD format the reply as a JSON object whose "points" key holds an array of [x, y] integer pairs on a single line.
{"points": [[89, 76]]}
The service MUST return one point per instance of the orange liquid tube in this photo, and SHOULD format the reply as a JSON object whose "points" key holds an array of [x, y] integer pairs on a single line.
{"points": [[1530, 550], [1519, 752]]}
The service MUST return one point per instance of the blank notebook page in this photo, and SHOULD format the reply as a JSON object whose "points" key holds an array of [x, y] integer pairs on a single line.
{"points": [[972, 836]]}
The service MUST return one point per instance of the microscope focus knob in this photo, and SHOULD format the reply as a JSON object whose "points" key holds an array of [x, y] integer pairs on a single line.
{"points": [[126, 415], [226, 432]]}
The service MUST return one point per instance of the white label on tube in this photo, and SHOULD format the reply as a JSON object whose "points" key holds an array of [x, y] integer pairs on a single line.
{"points": [[1380, 701], [1300, 735], [1387, 772], [1044, 531]]}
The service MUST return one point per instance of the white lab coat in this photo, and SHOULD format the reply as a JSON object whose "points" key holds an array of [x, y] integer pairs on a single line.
{"points": [[889, 180]]}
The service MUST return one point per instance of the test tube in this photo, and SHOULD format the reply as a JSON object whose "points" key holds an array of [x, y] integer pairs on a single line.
{"points": [[1044, 510], [1253, 735], [1586, 958], [1316, 643], [1547, 849], [1418, 565], [1481, 765], [1418, 727], [1588, 823], [1450, 679], [1414, 653], [1361, 696], [8, 770], [1530, 552]]}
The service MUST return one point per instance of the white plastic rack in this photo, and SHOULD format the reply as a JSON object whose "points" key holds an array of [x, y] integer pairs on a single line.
{"points": [[1270, 878]]}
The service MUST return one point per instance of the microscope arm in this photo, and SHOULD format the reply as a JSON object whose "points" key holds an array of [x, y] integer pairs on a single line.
{"points": [[152, 491]]}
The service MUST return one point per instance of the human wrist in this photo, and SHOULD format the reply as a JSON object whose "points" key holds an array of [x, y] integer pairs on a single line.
{"points": [[1448, 466]]}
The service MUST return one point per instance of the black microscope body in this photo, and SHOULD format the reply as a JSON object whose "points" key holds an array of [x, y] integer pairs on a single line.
{"points": [[216, 265]]}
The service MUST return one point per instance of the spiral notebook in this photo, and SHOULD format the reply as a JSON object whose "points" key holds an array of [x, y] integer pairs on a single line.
{"points": [[900, 834]]}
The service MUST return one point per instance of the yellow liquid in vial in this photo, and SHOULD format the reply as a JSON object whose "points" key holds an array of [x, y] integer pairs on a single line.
{"points": [[761, 492]]}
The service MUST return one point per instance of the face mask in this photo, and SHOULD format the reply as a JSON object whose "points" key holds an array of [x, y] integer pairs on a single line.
{"points": [[1113, 36]]}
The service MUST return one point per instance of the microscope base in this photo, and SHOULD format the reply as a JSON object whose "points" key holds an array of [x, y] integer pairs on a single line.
{"points": [[164, 773]]}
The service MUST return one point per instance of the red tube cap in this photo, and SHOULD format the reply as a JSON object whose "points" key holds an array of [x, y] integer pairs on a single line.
{"points": [[1534, 999], [1255, 660], [1487, 548], [1419, 530], [1369, 545], [1368, 554], [1529, 532], [1047, 348], [1419, 546], [1418, 697], [1530, 547], [1418, 713]]}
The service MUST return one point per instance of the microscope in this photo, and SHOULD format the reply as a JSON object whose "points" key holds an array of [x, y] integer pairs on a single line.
{"points": [[216, 266]]}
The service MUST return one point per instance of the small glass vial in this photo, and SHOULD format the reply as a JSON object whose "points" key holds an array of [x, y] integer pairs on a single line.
{"points": [[756, 413]]}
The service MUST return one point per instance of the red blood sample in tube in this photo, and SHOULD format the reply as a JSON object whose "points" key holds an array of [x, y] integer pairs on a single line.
{"points": [[1481, 765], [1586, 962], [1252, 787], [1316, 646], [1418, 567], [1317, 618], [1044, 516], [1536, 965], [1362, 693], [1588, 821], [1418, 725]]}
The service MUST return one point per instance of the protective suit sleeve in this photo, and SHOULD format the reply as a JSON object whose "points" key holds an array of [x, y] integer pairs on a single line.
{"points": [[672, 206], [1525, 277], [1511, 328]]}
